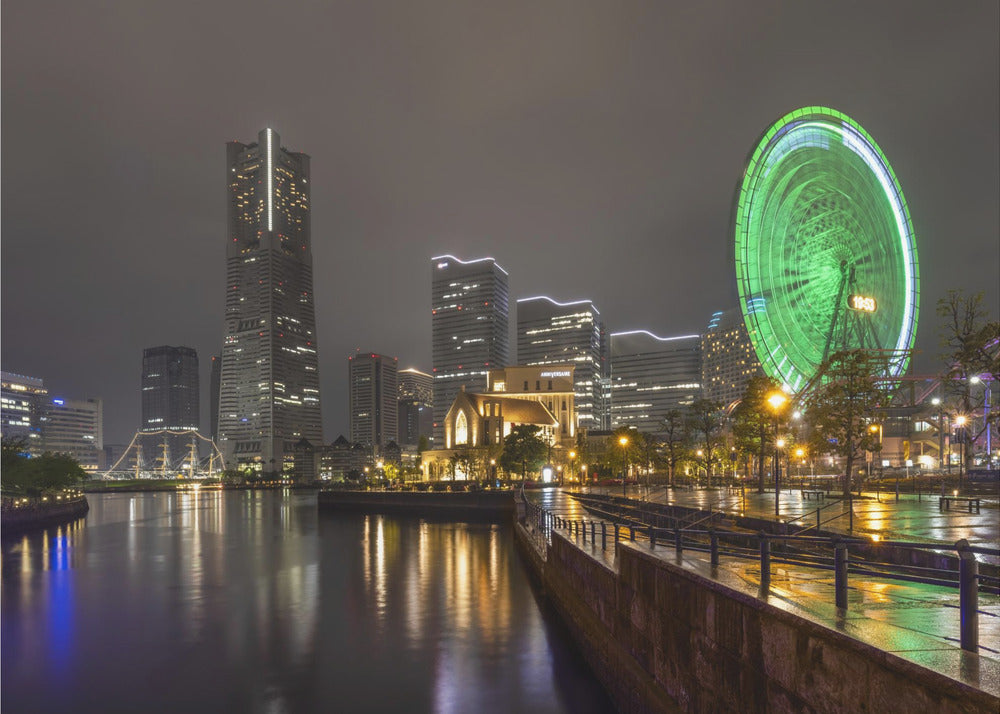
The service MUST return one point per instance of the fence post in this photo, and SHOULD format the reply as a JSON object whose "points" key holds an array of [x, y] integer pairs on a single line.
{"points": [[592, 538], [616, 534], [652, 537], [840, 572], [678, 545], [765, 561], [631, 533], [604, 535], [817, 519], [714, 546], [968, 596]]}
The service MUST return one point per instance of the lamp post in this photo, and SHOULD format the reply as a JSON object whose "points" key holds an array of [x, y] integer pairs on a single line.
{"points": [[572, 458], [936, 401], [777, 400], [960, 421], [800, 454], [493, 472], [624, 444]]}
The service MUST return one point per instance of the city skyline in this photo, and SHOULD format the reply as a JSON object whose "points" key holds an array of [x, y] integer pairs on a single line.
{"points": [[621, 164]]}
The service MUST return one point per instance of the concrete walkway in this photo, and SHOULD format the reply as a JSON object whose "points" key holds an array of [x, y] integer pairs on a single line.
{"points": [[916, 621]]}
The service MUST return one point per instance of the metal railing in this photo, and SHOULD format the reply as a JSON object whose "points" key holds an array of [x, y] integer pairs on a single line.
{"points": [[967, 578]]}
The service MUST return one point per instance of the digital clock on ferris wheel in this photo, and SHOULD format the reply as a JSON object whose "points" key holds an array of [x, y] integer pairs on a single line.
{"points": [[863, 303]]}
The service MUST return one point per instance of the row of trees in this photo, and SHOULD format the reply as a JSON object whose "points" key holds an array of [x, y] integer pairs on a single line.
{"points": [[24, 476]]}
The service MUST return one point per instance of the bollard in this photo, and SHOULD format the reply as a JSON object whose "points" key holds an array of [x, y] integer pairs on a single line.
{"points": [[631, 533], [765, 561], [968, 596], [604, 535], [678, 545], [714, 546], [840, 573]]}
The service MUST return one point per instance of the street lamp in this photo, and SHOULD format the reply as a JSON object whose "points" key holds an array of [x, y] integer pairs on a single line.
{"points": [[800, 454], [493, 472], [572, 458], [624, 443], [960, 422], [777, 400]]}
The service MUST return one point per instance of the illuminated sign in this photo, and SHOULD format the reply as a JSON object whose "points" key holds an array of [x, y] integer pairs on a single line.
{"points": [[561, 373], [862, 303]]}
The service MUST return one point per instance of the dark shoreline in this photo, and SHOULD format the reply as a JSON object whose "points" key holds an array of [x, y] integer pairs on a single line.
{"points": [[492, 503], [18, 520]]}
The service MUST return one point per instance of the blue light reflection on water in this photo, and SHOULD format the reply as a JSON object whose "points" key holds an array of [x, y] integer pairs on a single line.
{"points": [[254, 602]]}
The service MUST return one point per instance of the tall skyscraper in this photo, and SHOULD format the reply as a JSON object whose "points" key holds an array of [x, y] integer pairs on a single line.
{"points": [[269, 391], [416, 406], [728, 357], [469, 303], [550, 332], [373, 392], [171, 401], [651, 375], [21, 404]]}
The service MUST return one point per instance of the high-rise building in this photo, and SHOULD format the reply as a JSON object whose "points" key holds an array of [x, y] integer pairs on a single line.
{"points": [[21, 402], [373, 392], [469, 303], [553, 333], [74, 427], [416, 406], [214, 380], [170, 402], [269, 384], [651, 375], [728, 359]]}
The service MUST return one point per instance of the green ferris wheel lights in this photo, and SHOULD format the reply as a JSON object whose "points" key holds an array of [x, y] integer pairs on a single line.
{"points": [[823, 236]]}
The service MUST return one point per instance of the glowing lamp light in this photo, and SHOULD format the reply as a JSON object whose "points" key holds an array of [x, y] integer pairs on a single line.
{"points": [[780, 443], [777, 400], [960, 420]]}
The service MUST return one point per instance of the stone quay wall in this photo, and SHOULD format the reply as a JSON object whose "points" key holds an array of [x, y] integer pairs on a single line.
{"points": [[39, 514], [662, 639]]}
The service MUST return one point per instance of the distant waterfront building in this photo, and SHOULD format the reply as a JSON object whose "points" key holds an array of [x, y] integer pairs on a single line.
{"points": [[214, 380], [651, 375], [21, 401], [416, 406], [171, 402], [550, 385], [373, 391], [74, 427], [269, 384], [728, 357], [469, 323], [552, 333]]}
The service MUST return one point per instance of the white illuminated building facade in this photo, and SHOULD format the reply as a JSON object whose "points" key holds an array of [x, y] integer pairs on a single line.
{"points": [[269, 383], [651, 375], [469, 324], [74, 427], [559, 333], [23, 399]]}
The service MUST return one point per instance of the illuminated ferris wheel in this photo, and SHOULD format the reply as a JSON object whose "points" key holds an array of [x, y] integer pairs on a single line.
{"points": [[825, 252]]}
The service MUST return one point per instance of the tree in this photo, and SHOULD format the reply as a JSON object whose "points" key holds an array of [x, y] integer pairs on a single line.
{"points": [[971, 340], [848, 395], [523, 450], [704, 424], [423, 444], [752, 421], [34, 476], [673, 442]]}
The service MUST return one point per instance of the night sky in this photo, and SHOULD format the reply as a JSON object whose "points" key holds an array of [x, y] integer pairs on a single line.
{"points": [[591, 148]]}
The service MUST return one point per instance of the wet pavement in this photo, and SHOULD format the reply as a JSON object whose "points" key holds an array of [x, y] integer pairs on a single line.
{"points": [[916, 621]]}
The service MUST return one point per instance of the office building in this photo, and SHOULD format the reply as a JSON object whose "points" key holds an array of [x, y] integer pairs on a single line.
{"points": [[560, 333], [728, 359], [74, 427], [21, 402], [171, 403], [469, 303], [269, 384], [373, 392], [416, 407], [651, 375]]}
